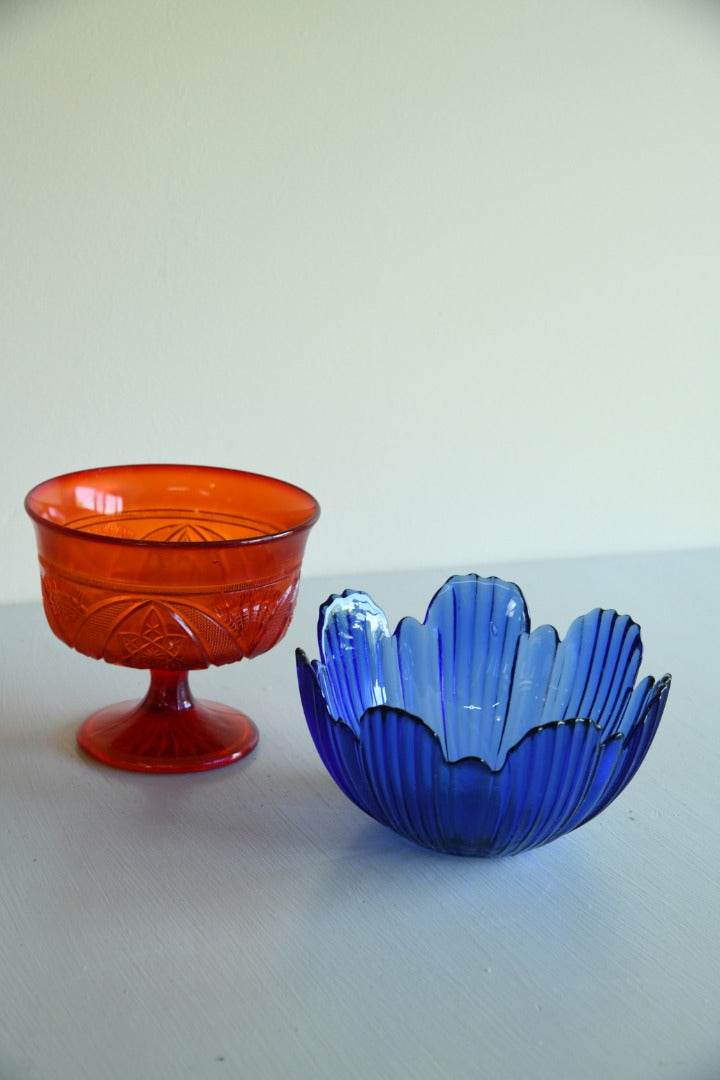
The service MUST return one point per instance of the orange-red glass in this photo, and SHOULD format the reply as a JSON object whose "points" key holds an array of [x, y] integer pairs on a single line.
{"points": [[171, 568]]}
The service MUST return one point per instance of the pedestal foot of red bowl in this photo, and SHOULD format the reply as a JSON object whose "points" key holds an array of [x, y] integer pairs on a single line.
{"points": [[168, 732]]}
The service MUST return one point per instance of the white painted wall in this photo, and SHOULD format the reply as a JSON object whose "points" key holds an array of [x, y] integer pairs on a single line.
{"points": [[452, 267]]}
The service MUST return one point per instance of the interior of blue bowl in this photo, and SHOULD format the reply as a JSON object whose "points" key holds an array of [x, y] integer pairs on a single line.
{"points": [[474, 673]]}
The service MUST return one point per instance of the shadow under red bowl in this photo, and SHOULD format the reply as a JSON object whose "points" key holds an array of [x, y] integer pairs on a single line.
{"points": [[172, 568]]}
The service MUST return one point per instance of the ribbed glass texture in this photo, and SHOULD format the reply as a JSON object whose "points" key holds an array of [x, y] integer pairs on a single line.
{"points": [[468, 733]]}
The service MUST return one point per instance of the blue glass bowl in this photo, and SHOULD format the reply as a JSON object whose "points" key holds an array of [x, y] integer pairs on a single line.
{"points": [[469, 734]]}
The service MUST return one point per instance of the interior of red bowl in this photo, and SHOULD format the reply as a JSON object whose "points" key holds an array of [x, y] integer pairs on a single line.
{"points": [[178, 504]]}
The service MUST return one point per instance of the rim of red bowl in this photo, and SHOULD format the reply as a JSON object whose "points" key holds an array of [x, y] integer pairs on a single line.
{"points": [[246, 541]]}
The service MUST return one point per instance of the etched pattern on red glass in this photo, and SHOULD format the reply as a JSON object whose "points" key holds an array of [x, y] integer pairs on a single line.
{"points": [[184, 631]]}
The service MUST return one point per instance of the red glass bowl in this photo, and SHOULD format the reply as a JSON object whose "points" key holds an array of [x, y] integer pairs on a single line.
{"points": [[171, 568]]}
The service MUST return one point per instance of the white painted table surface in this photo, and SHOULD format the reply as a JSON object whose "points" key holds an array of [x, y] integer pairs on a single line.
{"points": [[251, 922]]}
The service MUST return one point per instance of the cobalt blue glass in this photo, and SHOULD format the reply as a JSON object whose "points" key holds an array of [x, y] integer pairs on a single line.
{"points": [[468, 733]]}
